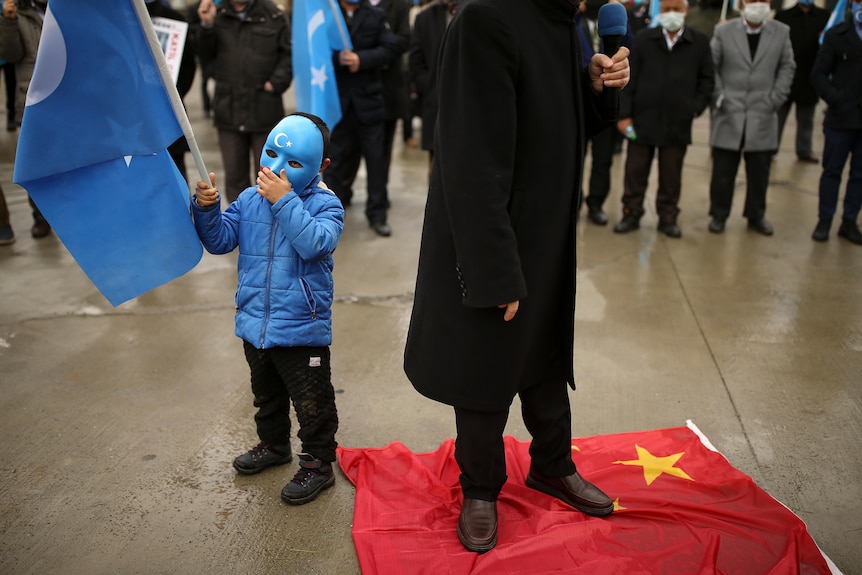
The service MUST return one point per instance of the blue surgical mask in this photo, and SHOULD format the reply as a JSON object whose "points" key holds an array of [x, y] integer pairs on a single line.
{"points": [[294, 139], [806, 2], [856, 11]]}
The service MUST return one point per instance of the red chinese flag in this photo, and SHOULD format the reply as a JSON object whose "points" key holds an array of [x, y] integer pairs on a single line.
{"points": [[680, 508]]}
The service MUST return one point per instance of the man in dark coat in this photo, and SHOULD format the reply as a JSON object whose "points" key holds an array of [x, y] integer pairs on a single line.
{"points": [[672, 82], [837, 77], [493, 314], [806, 23], [428, 33], [248, 44], [359, 134]]}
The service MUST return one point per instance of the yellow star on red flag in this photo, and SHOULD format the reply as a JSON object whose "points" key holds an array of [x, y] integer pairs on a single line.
{"points": [[655, 466]]}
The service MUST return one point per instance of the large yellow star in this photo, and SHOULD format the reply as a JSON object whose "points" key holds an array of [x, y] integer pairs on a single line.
{"points": [[655, 466]]}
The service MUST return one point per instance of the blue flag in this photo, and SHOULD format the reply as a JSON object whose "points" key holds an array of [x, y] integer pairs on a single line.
{"points": [[92, 150], [837, 17], [318, 30]]}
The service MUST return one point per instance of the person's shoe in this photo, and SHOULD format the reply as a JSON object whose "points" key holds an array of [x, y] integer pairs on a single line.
{"points": [[597, 216], [629, 223], [7, 236], [381, 229], [313, 476], [477, 525], [821, 232], [809, 159], [671, 230], [11, 126], [850, 231], [262, 456], [716, 226], [574, 490], [40, 229], [760, 226]]}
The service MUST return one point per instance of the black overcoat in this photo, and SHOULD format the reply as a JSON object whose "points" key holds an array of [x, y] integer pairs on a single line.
{"points": [[805, 30], [502, 205], [667, 88], [428, 30], [837, 77]]}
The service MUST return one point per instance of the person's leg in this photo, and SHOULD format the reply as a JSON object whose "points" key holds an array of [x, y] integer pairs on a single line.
{"points": [[41, 228], [371, 136], [9, 78], [480, 453], [725, 164], [805, 131], [637, 168], [670, 160], [783, 112], [235, 157], [756, 184], [836, 149], [345, 156], [600, 169], [7, 236], [388, 142], [853, 197]]}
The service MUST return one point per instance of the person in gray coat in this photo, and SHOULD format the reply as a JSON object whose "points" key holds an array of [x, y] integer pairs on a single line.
{"points": [[754, 69]]}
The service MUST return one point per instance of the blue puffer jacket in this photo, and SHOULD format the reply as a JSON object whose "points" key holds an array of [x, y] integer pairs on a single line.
{"points": [[284, 294]]}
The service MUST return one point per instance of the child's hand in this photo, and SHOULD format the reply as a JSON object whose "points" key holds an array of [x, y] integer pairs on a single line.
{"points": [[206, 195], [272, 187]]}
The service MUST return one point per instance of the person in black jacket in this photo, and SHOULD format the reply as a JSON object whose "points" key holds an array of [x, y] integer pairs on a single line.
{"points": [[837, 77], [672, 81], [248, 44], [360, 133], [806, 23]]}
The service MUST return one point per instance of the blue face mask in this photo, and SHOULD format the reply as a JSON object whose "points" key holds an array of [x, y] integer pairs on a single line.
{"points": [[294, 139], [856, 10], [806, 2]]}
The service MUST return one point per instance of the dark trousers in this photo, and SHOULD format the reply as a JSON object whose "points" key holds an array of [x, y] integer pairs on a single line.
{"points": [[838, 144], [479, 448], [11, 87], [725, 165], [351, 141], [638, 162], [804, 127], [302, 375], [240, 151], [601, 158]]}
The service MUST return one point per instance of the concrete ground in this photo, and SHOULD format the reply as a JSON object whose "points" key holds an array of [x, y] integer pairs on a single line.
{"points": [[119, 424]]}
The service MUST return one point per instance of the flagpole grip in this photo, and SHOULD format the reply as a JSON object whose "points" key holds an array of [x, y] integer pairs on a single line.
{"points": [[170, 87]]}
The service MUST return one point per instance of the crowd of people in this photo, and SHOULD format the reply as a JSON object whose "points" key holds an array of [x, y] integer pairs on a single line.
{"points": [[506, 101]]}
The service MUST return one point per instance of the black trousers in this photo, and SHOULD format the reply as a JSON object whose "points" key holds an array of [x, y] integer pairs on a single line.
{"points": [[725, 164], [240, 152], [351, 141], [602, 159], [302, 375], [479, 448], [638, 163]]}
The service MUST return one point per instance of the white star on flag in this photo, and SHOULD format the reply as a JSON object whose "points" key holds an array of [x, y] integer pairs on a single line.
{"points": [[318, 77]]}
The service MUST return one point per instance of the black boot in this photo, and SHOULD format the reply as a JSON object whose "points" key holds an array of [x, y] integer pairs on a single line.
{"points": [[821, 232], [262, 456], [850, 231], [313, 477]]}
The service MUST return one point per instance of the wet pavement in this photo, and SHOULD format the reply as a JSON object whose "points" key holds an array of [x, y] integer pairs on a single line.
{"points": [[119, 424]]}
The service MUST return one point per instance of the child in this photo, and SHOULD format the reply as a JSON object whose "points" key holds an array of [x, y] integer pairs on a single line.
{"points": [[286, 228]]}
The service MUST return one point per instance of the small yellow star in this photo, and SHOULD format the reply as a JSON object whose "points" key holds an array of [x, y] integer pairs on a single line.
{"points": [[617, 505], [575, 448], [655, 466]]}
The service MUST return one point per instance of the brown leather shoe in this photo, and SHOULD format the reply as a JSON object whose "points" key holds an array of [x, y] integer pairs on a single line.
{"points": [[477, 526], [574, 490]]}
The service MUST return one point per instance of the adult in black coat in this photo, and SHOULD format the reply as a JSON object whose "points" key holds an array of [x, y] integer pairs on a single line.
{"points": [[394, 83], [248, 44], [806, 23], [668, 89], [837, 77], [363, 110], [428, 33], [493, 313]]}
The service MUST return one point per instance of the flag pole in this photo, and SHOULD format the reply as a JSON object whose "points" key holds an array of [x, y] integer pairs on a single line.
{"points": [[341, 30], [170, 87], [723, 11]]}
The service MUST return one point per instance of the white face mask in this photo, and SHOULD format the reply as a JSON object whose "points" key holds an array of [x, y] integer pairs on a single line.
{"points": [[671, 21], [756, 12]]}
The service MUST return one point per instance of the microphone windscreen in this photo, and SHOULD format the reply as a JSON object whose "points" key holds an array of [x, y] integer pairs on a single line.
{"points": [[613, 20]]}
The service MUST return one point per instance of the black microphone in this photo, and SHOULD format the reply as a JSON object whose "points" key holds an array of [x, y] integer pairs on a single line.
{"points": [[613, 25]]}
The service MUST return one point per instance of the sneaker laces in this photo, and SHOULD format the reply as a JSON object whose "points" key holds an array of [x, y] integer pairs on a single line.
{"points": [[262, 449]]}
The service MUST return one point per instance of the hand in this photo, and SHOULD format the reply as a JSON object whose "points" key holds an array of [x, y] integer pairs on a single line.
{"points": [[272, 187], [610, 72], [207, 12], [623, 124], [9, 9], [350, 59], [206, 194], [511, 310], [268, 87]]}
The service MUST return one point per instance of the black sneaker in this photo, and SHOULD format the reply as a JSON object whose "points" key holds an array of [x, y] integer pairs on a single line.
{"points": [[262, 456], [821, 232], [312, 477], [850, 231]]}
